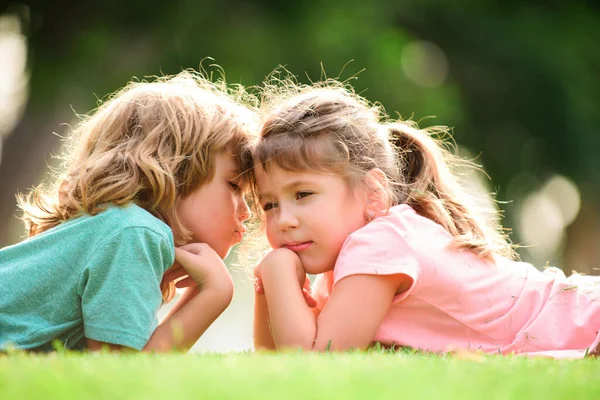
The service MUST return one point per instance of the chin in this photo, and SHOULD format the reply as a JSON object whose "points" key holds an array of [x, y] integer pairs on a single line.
{"points": [[223, 254], [316, 269]]}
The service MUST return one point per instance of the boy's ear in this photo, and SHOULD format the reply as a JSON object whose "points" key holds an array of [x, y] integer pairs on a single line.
{"points": [[377, 200]]}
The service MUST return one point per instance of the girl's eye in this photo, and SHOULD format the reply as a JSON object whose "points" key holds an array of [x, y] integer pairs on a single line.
{"points": [[301, 195], [268, 206]]}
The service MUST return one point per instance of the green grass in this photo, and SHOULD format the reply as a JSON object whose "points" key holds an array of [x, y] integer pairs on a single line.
{"points": [[402, 375]]}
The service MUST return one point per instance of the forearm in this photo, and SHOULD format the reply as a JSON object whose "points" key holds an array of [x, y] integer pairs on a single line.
{"points": [[262, 333], [292, 322], [188, 294], [183, 328]]}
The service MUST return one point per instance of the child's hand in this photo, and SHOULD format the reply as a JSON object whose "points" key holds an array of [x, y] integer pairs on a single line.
{"points": [[174, 273], [199, 264], [302, 280]]}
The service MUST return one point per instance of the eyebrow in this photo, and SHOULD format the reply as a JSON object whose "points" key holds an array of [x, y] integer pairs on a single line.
{"points": [[286, 187], [235, 172]]}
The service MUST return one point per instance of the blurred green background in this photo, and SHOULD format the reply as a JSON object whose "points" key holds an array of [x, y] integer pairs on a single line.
{"points": [[518, 81]]}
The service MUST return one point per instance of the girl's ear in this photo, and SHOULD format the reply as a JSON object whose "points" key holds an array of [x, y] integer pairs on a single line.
{"points": [[377, 193]]}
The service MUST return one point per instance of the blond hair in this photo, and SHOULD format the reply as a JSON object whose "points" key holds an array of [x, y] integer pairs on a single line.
{"points": [[328, 127], [150, 143]]}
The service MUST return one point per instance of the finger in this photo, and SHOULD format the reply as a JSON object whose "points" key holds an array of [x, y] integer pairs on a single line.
{"points": [[310, 300], [258, 285], [174, 273], [257, 273], [185, 258], [194, 248], [173, 267]]}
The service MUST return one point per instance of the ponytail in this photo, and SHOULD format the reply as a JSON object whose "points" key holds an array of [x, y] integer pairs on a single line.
{"points": [[431, 188], [327, 127]]}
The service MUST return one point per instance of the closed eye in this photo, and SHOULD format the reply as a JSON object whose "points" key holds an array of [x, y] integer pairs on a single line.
{"points": [[236, 188], [301, 195]]}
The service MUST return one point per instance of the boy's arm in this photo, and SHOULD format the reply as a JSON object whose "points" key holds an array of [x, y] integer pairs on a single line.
{"points": [[184, 328], [181, 329], [190, 287], [197, 308]]}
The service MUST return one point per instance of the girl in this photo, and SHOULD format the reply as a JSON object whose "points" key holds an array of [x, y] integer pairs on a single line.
{"points": [[158, 165], [403, 256]]}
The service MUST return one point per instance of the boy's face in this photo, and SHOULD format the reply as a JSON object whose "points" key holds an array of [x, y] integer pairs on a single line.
{"points": [[310, 213], [215, 211]]}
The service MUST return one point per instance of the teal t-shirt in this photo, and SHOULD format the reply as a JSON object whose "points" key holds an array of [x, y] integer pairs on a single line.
{"points": [[95, 277]]}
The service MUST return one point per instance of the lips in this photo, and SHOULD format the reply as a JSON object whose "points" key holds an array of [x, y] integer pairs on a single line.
{"points": [[240, 233], [297, 247]]}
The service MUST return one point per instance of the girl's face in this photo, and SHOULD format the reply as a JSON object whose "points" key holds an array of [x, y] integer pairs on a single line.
{"points": [[310, 213], [216, 210]]}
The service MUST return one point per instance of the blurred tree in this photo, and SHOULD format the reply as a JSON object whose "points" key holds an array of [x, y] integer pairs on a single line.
{"points": [[518, 80]]}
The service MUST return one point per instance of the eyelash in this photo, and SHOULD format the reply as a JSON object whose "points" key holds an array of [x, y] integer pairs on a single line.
{"points": [[299, 196], [268, 206], [235, 186]]}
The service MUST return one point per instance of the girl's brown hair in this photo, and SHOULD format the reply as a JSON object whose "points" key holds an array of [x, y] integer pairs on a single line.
{"points": [[150, 143], [328, 127]]}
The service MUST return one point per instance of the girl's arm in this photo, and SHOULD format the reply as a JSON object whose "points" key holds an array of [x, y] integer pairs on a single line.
{"points": [[350, 319], [263, 339], [355, 310], [291, 320], [262, 335]]}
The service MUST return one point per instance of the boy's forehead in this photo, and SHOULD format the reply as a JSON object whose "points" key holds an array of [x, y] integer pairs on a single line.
{"points": [[227, 163]]}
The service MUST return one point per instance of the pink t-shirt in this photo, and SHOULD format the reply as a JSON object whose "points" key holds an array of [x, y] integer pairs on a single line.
{"points": [[457, 300]]}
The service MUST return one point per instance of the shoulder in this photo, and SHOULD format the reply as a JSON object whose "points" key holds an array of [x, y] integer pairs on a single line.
{"points": [[126, 232], [382, 247], [128, 237], [129, 217], [387, 231]]}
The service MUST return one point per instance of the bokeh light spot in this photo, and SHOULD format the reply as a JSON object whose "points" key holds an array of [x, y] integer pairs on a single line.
{"points": [[425, 63]]}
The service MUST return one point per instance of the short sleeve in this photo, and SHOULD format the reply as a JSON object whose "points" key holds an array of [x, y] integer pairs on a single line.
{"points": [[377, 249], [120, 286]]}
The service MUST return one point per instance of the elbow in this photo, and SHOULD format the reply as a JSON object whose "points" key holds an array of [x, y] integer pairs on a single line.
{"points": [[294, 341], [295, 344], [226, 292], [221, 294], [321, 347], [228, 296]]}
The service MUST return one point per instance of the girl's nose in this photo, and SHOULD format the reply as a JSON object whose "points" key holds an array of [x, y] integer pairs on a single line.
{"points": [[286, 219]]}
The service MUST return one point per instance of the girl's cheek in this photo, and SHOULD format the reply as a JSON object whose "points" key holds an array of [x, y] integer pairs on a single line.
{"points": [[271, 237]]}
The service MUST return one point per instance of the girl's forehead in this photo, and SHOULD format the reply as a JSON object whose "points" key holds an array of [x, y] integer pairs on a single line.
{"points": [[274, 173], [275, 178]]}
